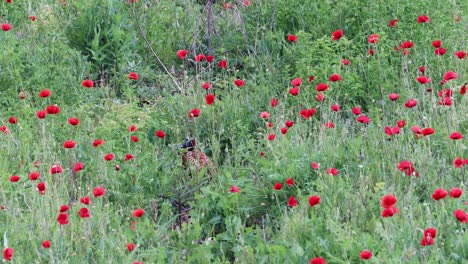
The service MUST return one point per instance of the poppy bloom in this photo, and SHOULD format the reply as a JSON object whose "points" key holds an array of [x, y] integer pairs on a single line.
{"points": [[273, 102], [388, 201], [422, 69], [181, 54], [290, 181], [318, 260], [335, 77], [134, 139], [64, 208], [271, 137], [292, 38], [109, 156], [335, 107], [292, 201], [222, 64], [332, 171], [234, 189], [423, 19], [87, 83], [460, 54], [411, 103], [200, 58], [296, 82], [45, 93], [463, 90], [356, 110], [130, 247], [389, 212], [206, 85], [427, 131], [401, 123], [455, 192], [53, 110], [160, 134], [439, 193], [209, 99], [374, 38], [137, 213], [68, 144], [85, 200], [62, 219], [84, 212], [406, 166], [41, 114], [33, 176], [98, 192], [427, 241], [133, 76], [461, 216], [54, 169], [239, 82], [12, 120], [73, 121], [329, 125], [393, 96], [365, 254], [345, 62], [321, 87], [392, 23], [363, 119], [337, 35], [440, 51], [78, 167], [314, 200], [8, 253], [315, 165], [450, 75], [41, 188], [128, 157], [6, 27], [407, 44], [456, 136], [311, 78], [278, 186], [423, 79], [430, 232], [294, 91], [194, 112], [15, 178], [46, 244], [437, 43], [209, 58]]}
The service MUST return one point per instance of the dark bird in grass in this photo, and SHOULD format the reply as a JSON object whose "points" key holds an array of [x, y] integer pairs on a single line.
{"points": [[196, 160]]}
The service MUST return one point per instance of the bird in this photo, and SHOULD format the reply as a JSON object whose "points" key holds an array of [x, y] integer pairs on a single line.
{"points": [[196, 159]]}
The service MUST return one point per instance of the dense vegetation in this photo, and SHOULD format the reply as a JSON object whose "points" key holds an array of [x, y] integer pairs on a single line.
{"points": [[336, 129]]}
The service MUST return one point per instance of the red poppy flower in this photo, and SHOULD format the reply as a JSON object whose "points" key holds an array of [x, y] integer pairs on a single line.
{"points": [[239, 82], [307, 113], [273, 102], [84, 212], [55, 169], [393, 22], [463, 90], [345, 62], [337, 34], [134, 138], [15, 178], [85, 200], [321, 87], [356, 110], [294, 91], [461, 216], [422, 69], [194, 112], [53, 110], [456, 136], [427, 131], [393, 96], [423, 79], [455, 192], [315, 165], [4, 129], [335, 108], [160, 134], [6, 27], [440, 51], [137, 213], [130, 247], [292, 201], [437, 43], [389, 212], [290, 181], [181, 54], [363, 119], [289, 123], [388, 201], [318, 260], [314, 200], [46, 244], [445, 93], [64, 208], [271, 137], [296, 82], [335, 77], [430, 232], [458, 162], [62, 219], [278, 186], [87, 83], [78, 167], [407, 44], [460, 54], [73, 121], [401, 123], [200, 58], [32, 18], [320, 97], [411, 103], [450, 75], [12, 120], [439, 193], [209, 99], [222, 64], [365, 254], [98, 142], [45, 93], [284, 130], [8, 253], [374, 38], [209, 58], [109, 156], [427, 241], [98, 192], [133, 76], [292, 38], [332, 171], [311, 78], [206, 85], [33, 176], [423, 19], [68, 144], [234, 189], [329, 125]]}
